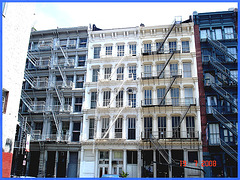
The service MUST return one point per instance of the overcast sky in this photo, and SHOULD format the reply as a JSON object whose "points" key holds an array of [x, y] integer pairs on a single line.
{"points": [[117, 15]]}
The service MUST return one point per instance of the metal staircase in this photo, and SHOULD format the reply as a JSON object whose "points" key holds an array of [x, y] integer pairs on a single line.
{"points": [[168, 89], [29, 78], [115, 69], [221, 48], [229, 150], [225, 71], [228, 97], [159, 75], [56, 121], [32, 58], [65, 55], [27, 100], [225, 122], [172, 26]]}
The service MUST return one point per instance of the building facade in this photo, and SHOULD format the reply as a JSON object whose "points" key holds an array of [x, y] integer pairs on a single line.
{"points": [[216, 46], [51, 104], [141, 110], [17, 19]]}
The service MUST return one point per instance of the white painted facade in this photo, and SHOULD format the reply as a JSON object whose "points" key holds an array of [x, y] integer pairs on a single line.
{"points": [[112, 153], [17, 20]]}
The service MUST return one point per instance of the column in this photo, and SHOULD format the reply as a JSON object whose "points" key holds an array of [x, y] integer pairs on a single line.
{"points": [[154, 69], [55, 166], [70, 130], [200, 159], [125, 98], [170, 162], [45, 128], [183, 128], [169, 126], [68, 155], [125, 72], [124, 160], [96, 163], [59, 135], [79, 162], [111, 132], [155, 126], [124, 127], [139, 164], [154, 96], [74, 80], [110, 162], [99, 128], [185, 157], [154, 164], [100, 98], [113, 97]]}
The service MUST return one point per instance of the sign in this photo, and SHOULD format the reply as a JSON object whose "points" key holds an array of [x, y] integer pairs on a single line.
{"points": [[28, 142]]}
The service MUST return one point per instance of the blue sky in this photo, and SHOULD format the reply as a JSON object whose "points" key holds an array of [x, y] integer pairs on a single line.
{"points": [[117, 15]]}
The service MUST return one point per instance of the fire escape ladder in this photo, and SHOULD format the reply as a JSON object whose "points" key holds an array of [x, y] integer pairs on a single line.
{"points": [[56, 121], [59, 95], [115, 69], [65, 55], [62, 73], [29, 78], [161, 150], [185, 115], [32, 58], [168, 89], [27, 100], [161, 45], [225, 122], [221, 48], [159, 75], [110, 127], [225, 71], [228, 97], [229, 150]]}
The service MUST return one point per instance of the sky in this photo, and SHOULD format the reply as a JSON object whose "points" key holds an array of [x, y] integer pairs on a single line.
{"points": [[117, 15]]}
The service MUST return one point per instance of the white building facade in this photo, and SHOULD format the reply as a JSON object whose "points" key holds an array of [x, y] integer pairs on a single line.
{"points": [[141, 107]]}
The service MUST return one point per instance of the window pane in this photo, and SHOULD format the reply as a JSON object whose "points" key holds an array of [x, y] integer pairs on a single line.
{"points": [[187, 70]]}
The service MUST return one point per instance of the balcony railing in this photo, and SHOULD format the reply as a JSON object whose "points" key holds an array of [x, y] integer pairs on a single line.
{"points": [[59, 108], [168, 102], [118, 135], [165, 74], [68, 84], [43, 62], [45, 44], [170, 134], [39, 106], [154, 48], [222, 109], [66, 63]]}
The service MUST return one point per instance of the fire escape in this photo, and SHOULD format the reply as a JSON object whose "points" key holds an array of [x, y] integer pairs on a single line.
{"points": [[227, 80]]}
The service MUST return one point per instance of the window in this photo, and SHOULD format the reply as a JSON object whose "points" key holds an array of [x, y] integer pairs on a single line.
{"points": [[173, 69], [56, 104], [172, 46], [132, 72], [188, 96], [214, 136], [83, 43], [175, 96], [192, 156], [96, 54], [148, 97], [228, 33], [68, 101], [72, 43], [234, 74], [147, 127], [159, 69], [105, 126], [53, 130], [185, 47], [147, 71], [120, 73], [5, 95], [65, 130], [118, 128], [132, 49], [233, 52], [119, 99], [104, 155], [131, 157], [204, 33], [131, 128], [132, 99], [227, 135], [95, 75], [187, 70], [176, 127], [160, 94], [37, 130], [108, 50], [217, 34], [78, 104], [91, 128], [158, 44], [190, 124], [79, 81], [76, 131], [147, 48], [81, 60], [120, 51], [211, 103], [107, 72], [93, 100], [162, 127], [106, 98]]}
